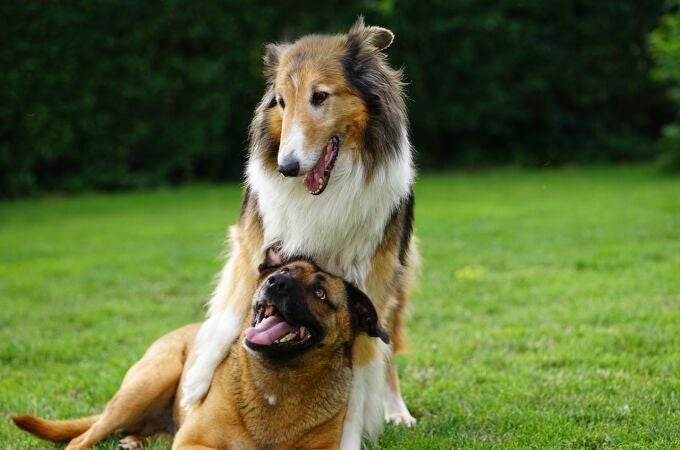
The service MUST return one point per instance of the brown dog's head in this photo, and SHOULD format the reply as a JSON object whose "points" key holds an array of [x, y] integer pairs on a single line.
{"points": [[299, 308]]}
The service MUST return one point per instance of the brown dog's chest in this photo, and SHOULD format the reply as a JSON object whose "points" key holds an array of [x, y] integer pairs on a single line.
{"points": [[281, 407], [259, 409]]}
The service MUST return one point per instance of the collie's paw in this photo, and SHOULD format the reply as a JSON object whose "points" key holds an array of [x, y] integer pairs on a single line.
{"points": [[396, 411], [195, 386], [401, 418], [130, 443], [193, 390]]}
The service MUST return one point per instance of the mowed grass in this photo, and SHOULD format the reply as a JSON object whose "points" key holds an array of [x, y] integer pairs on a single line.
{"points": [[547, 314]]}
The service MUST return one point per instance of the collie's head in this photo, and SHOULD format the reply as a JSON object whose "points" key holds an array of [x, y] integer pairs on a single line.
{"points": [[329, 98]]}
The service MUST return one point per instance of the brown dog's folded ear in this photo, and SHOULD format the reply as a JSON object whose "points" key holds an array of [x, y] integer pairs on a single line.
{"points": [[364, 316], [272, 259]]}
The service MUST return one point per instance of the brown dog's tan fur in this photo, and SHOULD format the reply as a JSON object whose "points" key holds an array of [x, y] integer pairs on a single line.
{"points": [[253, 402]]}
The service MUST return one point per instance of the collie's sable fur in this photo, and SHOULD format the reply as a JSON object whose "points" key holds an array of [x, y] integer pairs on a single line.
{"points": [[333, 120]]}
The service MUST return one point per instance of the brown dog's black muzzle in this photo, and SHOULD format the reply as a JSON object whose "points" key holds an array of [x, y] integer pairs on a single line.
{"points": [[283, 326], [280, 284]]}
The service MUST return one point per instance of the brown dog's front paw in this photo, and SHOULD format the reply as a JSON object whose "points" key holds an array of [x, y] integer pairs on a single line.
{"points": [[130, 443]]}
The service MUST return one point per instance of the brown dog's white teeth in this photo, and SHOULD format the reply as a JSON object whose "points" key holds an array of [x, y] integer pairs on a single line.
{"points": [[287, 338]]}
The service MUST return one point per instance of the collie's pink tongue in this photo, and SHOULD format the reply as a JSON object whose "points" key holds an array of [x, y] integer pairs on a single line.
{"points": [[314, 178], [269, 330]]}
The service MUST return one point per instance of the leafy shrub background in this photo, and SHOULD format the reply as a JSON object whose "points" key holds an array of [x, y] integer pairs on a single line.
{"points": [[665, 43], [110, 94]]}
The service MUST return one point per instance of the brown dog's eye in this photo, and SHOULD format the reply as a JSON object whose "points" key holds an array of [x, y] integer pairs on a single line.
{"points": [[281, 103], [318, 98], [320, 293]]}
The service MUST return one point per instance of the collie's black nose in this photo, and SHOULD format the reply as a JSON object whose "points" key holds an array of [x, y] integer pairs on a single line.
{"points": [[289, 168], [280, 283]]}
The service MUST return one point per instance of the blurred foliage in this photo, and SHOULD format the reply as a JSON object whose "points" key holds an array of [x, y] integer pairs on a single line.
{"points": [[665, 44], [110, 94], [530, 82]]}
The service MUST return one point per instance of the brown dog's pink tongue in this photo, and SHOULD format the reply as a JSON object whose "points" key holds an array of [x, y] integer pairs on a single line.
{"points": [[269, 330]]}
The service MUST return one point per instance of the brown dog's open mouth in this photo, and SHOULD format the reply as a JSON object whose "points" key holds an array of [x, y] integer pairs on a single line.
{"points": [[316, 179], [270, 328]]}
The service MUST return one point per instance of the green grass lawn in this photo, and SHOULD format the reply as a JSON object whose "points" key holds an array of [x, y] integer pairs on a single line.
{"points": [[548, 312]]}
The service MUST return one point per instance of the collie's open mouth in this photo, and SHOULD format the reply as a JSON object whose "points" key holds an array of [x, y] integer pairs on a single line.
{"points": [[270, 328], [317, 179]]}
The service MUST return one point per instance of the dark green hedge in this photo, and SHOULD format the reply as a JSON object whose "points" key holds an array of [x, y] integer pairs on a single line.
{"points": [[111, 94], [534, 82], [665, 45]]}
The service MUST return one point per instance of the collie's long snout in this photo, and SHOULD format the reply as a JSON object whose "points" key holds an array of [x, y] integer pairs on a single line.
{"points": [[290, 167]]}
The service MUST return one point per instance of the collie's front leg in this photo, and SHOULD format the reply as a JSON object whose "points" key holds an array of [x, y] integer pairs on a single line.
{"points": [[365, 413], [396, 411], [228, 309], [212, 345]]}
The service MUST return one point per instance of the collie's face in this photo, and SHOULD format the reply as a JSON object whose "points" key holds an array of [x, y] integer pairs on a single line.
{"points": [[317, 113], [318, 110]]}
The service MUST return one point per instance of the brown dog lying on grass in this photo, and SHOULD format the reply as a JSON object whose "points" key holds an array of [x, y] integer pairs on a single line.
{"points": [[286, 386]]}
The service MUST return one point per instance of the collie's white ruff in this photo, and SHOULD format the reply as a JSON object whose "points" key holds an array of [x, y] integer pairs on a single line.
{"points": [[341, 228]]}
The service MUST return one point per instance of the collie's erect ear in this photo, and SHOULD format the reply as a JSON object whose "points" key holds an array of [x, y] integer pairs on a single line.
{"points": [[272, 55], [364, 316], [272, 260], [378, 37]]}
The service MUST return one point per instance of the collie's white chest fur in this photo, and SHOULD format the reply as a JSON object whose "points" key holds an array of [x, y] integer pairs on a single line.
{"points": [[341, 228]]}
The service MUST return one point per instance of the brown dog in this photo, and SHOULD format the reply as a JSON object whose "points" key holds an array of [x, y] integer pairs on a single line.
{"points": [[286, 387]]}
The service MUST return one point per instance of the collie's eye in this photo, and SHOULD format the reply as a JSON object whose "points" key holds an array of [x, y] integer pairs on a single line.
{"points": [[320, 293], [318, 98], [281, 103]]}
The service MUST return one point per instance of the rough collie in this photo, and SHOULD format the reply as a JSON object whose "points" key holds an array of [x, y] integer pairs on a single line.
{"points": [[329, 176]]}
